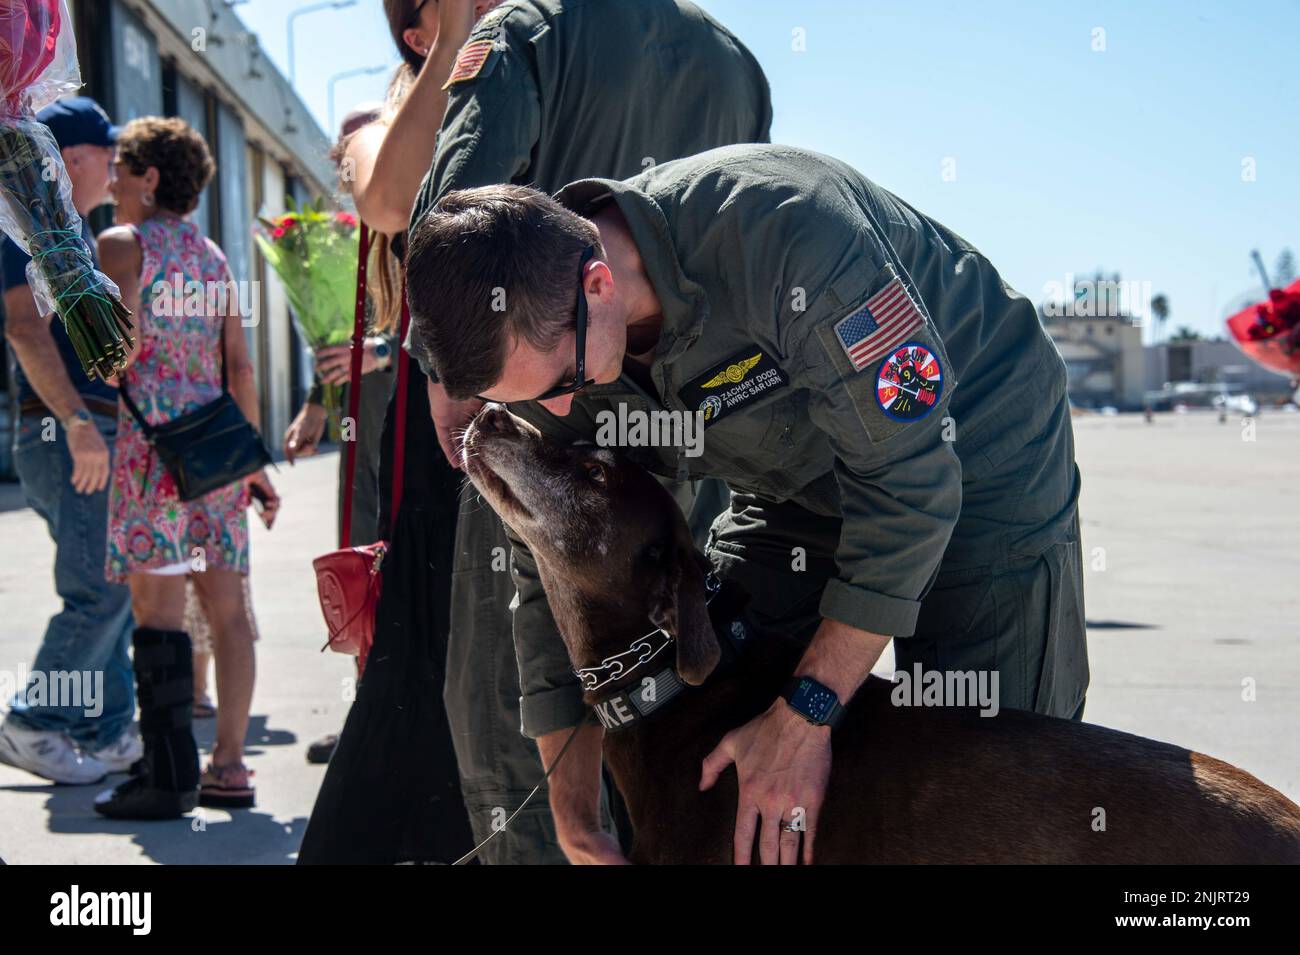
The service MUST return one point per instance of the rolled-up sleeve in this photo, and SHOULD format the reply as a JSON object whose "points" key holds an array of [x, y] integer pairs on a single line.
{"points": [[899, 511]]}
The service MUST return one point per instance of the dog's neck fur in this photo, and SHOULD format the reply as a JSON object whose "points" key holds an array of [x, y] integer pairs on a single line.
{"points": [[670, 744]]}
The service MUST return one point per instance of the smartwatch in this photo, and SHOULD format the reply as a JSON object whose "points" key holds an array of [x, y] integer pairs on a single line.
{"points": [[815, 702], [80, 416]]}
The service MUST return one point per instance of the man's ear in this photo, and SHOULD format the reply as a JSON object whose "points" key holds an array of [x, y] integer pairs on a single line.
{"points": [[679, 608]]}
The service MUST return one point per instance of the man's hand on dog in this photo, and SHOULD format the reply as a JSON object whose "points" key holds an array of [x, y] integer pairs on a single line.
{"points": [[783, 762]]}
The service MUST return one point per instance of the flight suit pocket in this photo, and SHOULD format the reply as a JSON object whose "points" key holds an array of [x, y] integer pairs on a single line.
{"points": [[1063, 681], [950, 607]]}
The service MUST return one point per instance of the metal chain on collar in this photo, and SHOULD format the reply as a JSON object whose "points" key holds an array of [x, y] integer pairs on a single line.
{"points": [[589, 677]]}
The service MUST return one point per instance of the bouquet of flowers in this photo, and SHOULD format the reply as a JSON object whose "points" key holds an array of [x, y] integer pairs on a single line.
{"points": [[314, 252], [1269, 332], [38, 64]]}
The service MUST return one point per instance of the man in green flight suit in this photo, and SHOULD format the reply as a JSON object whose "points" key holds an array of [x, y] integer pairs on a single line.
{"points": [[890, 417], [545, 92]]}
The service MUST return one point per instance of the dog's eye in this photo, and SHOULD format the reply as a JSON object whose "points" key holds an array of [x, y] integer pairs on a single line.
{"points": [[654, 551], [596, 471]]}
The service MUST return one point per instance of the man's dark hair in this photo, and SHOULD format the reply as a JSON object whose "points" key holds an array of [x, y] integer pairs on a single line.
{"points": [[487, 267]]}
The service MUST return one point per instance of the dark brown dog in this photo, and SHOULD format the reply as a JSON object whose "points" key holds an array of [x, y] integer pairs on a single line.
{"points": [[907, 784]]}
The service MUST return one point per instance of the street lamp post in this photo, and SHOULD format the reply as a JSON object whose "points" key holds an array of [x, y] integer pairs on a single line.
{"points": [[360, 71], [330, 5]]}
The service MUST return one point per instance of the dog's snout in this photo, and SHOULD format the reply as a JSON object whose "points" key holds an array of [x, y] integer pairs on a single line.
{"points": [[494, 419]]}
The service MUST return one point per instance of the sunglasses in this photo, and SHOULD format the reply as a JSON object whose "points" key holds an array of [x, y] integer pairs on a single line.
{"points": [[580, 380], [415, 15]]}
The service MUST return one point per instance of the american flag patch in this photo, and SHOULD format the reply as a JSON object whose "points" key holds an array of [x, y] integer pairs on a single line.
{"points": [[886, 320], [469, 61]]}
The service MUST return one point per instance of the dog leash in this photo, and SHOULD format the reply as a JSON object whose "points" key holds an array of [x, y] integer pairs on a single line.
{"points": [[463, 860]]}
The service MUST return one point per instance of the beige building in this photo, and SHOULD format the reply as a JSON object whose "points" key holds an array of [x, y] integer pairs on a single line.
{"points": [[1103, 357]]}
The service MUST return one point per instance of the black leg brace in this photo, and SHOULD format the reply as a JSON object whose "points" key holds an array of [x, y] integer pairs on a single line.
{"points": [[164, 675]]}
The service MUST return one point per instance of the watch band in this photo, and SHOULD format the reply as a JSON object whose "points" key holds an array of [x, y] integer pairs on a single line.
{"points": [[795, 691], [78, 417]]}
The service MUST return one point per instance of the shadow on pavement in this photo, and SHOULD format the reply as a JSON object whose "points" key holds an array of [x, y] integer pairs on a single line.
{"points": [[205, 836], [259, 734]]}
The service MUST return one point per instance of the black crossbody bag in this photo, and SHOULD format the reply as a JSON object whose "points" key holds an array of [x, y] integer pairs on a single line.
{"points": [[207, 448]]}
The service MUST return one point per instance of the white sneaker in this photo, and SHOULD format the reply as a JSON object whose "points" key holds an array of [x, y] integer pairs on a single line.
{"points": [[118, 756], [49, 754]]}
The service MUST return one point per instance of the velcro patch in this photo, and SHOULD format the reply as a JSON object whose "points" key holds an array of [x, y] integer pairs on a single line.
{"points": [[741, 379], [883, 323], [909, 382], [469, 61]]}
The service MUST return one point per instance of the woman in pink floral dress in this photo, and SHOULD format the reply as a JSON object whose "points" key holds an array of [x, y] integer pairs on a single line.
{"points": [[177, 284]]}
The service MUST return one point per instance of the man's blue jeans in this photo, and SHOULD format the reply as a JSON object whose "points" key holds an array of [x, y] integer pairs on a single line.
{"points": [[93, 630]]}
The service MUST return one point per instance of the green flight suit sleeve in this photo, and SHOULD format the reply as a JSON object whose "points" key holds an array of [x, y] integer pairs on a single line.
{"points": [[821, 262], [550, 698], [493, 122]]}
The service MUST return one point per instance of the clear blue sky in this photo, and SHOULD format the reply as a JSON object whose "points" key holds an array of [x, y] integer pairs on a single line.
{"points": [[1066, 159]]}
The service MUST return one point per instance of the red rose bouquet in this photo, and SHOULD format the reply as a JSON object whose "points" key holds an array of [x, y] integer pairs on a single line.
{"points": [[1269, 332], [314, 253]]}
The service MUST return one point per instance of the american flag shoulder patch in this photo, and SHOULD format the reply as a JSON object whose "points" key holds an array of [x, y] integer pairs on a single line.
{"points": [[469, 61], [886, 320]]}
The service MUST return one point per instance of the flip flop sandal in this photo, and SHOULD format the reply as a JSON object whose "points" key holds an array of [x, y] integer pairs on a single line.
{"points": [[227, 787]]}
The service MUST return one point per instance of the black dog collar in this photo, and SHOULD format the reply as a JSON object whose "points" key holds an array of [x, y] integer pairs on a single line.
{"points": [[633, 704]]}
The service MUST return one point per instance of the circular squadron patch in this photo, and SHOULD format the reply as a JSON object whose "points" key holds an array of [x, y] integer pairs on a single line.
{"points": [[909, 382]]}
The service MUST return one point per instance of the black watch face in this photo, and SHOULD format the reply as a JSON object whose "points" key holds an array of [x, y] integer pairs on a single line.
{"points": [[813, 700]]}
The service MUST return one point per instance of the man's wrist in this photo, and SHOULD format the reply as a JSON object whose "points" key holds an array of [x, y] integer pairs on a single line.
{"points": [[841, 657], [813, 702], [78, 417]]}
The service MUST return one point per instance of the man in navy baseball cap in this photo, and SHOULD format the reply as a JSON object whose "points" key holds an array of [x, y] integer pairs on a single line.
{"points": [[79, 121]]}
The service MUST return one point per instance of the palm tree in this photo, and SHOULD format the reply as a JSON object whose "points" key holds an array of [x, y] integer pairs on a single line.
{"points": [[1284, 271], [1160, 309]]}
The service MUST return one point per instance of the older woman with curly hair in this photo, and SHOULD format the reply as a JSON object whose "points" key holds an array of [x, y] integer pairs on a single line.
{"points": [[179, 287]]}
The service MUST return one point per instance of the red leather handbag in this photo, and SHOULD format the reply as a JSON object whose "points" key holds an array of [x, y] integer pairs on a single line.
{"points": [[349, 580]]}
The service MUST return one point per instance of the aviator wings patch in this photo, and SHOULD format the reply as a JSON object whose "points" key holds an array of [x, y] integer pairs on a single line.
{"points": [[733, 374]]}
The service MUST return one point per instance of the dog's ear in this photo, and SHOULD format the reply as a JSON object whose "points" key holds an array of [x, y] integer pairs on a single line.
{"points": [[679, 608]]}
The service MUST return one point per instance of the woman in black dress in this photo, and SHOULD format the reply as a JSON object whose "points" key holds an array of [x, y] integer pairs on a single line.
{"points": [[392, 790]]}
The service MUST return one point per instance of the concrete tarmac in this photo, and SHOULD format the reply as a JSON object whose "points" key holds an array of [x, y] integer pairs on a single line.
{"points": [[1191, 539]]}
